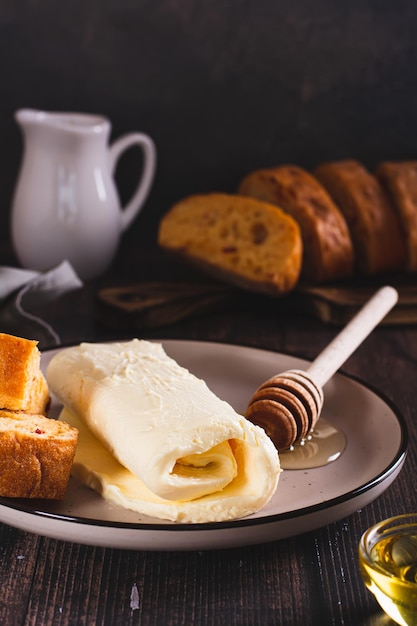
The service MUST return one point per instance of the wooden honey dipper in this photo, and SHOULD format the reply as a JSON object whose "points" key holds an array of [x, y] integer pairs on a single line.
{"points": [[288, 405]]}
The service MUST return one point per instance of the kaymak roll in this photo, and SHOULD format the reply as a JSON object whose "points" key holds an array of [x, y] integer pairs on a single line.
{"points": [[155, 439]]}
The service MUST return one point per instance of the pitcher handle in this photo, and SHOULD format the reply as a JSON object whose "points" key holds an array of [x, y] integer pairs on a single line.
{"points": [[120, 145]]}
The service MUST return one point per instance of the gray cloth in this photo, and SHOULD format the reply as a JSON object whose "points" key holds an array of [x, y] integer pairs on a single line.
{"points": [[22, 291]]}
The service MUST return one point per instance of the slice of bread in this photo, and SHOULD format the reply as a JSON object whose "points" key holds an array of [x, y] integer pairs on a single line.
{"points": [[36, 455], [22, 385], [327, 246], [244, 241], [373, 223], [399, 180]]}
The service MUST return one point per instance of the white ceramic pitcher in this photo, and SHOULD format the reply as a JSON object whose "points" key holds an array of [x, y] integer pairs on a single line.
{"points": [[66, 204]]}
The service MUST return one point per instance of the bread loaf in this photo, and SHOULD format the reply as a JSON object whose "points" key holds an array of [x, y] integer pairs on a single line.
{"points": [[327, 246], [36, 452], [400, 182], [244, 241], [373, 224], [36, 455], [22, 384]]}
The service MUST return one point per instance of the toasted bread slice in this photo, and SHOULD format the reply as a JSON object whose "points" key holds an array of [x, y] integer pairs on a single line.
{"points": [[243, 241]]}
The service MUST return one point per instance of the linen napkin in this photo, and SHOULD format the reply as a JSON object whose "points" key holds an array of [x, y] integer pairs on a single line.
{"points": [[23, 291]]}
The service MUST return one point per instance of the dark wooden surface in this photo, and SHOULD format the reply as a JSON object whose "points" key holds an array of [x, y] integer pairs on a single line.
{"points": [[305, 580]]}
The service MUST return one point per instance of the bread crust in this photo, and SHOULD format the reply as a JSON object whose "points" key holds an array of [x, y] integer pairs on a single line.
{"points": [[327, 246], [243, 241], [399, 180], [373, 223], [22, 384], [36, 455]]}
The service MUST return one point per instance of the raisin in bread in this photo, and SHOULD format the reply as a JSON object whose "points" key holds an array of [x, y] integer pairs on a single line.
{"points": [[36, 455], [399, 180], [372, 220], [244, 241], [327, 246]]}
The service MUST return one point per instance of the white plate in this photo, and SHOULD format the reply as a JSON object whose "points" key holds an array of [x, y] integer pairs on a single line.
{"points": [[305, 499]]}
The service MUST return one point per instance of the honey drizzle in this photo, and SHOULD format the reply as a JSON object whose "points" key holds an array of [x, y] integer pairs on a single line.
{"points": [[322, 446]]}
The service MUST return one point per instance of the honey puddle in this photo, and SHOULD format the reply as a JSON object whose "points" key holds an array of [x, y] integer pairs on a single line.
{"points": [[322, 446]]}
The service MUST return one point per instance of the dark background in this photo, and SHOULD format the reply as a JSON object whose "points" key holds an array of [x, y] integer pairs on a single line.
{"points": [[222, 86]]}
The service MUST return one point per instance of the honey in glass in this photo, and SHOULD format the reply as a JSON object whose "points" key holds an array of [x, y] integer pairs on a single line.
{"points": [[388, 564]]}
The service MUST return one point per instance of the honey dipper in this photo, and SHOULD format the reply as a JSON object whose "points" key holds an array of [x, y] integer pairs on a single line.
{"points": [[288, 405]]}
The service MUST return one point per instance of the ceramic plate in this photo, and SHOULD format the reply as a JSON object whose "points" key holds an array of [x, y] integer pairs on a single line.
{"points": [[305, 499]]}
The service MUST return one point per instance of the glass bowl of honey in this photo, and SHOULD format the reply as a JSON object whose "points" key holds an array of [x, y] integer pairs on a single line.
{"points": [[388, 565]]}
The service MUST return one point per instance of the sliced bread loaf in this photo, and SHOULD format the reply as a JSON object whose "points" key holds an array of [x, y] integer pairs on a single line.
{"points": [[327, 246], [399, 180], [36, 452], [373, 223]]}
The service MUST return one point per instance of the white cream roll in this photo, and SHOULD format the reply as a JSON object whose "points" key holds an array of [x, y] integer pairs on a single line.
{"points": [[184, 454]]}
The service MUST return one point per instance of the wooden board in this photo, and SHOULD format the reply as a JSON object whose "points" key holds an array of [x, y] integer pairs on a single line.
{"points": [[156, 304], [337, 304]]}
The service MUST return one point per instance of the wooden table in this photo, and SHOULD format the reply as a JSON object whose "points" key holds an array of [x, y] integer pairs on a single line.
{"points": [[308, 579]]}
